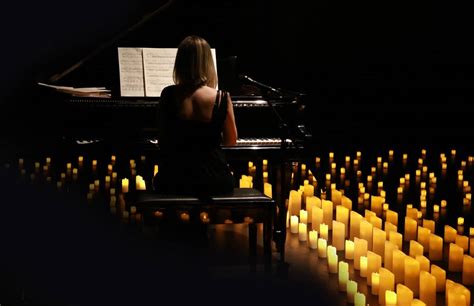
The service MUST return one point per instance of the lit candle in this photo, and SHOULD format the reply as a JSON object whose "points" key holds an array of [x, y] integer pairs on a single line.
{"points": [[327, 212], [349, 249], [313, 239], [363, 266], [342, 215], [468, 270], [390, 298], [338, 235], [351, 289], [455, 258], [354, 223], [316, 217], [424, 237], [424, 263], [359, 299], [322, 245], [294, 202], [398, 265], [404, 295], [302, 233], [303, 216], [375, 282], [294, 224], [336, 197], [427, 288], [412, 274], [463, 242], [457, 294], [267, 190], [435, 248], [389, 227], [308, 190], [388, 254], [410, 229], [386, 282], [360, 249], [376, 204], [378, 243], [396, 238], [332, 259], [392, 217], [365, 232], [124, 185], [415, 249], [347, 202], [376, 221], [343, 275], [374, 263], [450, 234], [429, 224]]}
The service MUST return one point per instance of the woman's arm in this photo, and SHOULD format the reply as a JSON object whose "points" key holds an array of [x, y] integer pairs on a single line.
{"points": [[230, 129]]}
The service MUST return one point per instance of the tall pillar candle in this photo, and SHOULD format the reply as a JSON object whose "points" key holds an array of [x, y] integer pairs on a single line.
{"points": [[387, 282], [374, 263], [424, 237], [376, 221], [322, 246], [343, 275], [415, 249], [366, 229], [397, 239], [324, 231], [436, 248], [450, 234], [338, 235], [336, 197], [468, 270], [359, 299], [313, 239], [388, 254], [349, 249], [440, 275], [389, 227], [427, 288], [392, 217], [351, 290], [455, 258], [404, 295], [410, 229], [327, 212], [342, 215], [346, 202], [378, 241], [360, 249], [354, 224], [294, 224], [390, 298], [398, 265], [429, 224], [316, 217], [463, 242], [332, 259], [376, 203], [302, 232], [311, 202], [424, 263], [412, 275], [375, 283]]}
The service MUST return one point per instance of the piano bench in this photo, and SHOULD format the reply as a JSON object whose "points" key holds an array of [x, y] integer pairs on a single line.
{"points": [[243, 205]]}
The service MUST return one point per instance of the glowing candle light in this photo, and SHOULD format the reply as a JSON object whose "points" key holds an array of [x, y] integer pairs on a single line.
{"points": [[313, 239], [463, 242], [404, 295], [376, 222], [412, 274], [468, 270], [327, 212], [354, 223], [386, 282], [455, 258], [324, 231], [375, 281], [429, 224], [360, 249], [427, 288], [349, 249], [440, 275], [359, 299], [342, 215], [302, 232], [388, 254], [294, 224], [415, 249], [410, 229], [396, 238], [389, 227], [378, 241], [390, 298], [392, 217], [363, 266], [460, 221], [436, 208], [303, 216], [294, 202], [374, 263], [444, 203], [343, 275], [317, 216], [424, 237], [398, 265], [450, 234], [322, 246], [267, 190], [365, 232], [124, 185], [351, 289], [332, 259]]}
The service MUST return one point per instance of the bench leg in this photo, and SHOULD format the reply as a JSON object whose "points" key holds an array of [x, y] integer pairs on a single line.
{"points": [[267, 241], [253, 246]]}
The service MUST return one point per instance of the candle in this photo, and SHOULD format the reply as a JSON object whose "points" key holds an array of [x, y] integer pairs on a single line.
{"points": [[342, 215], [346, 202], [378, 243], [332, 259], [360, 249], [468, 270], [343, 275], [376, 204], [388, 254], [457, 294], [374, 263], [294, 224], [365, 232], [327, 212], [354, 223], [338, 235], [415, 249], [317, 217], [124, 185], [390, 298], [376, 221], [267, 190], [349, 249], [375, 282], [294, 202], [424, 237], [412, 274], [440, 275], [435, 248], [463, 242], [427, 288], [322, 245], [404, 295], [389, 227], [359, 299], [303, 216], [449, 234], [410, 229], [313, 239], [363, 266], [386, 282], [302, 233], [392, 217], [308, 190], [324, 231], [336, 197], [351, 289], [455, 258], [424, 263], [398, 265], [396, 238]]}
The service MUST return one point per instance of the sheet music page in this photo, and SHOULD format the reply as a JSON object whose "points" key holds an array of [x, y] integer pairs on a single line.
{"points": [[158, 64], [131, 72]]}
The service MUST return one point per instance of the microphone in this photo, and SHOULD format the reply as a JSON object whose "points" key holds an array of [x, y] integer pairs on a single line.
{"points": [[250, 80]]}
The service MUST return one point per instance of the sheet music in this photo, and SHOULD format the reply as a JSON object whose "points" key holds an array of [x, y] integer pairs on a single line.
{"points": [[158, 64], [131, 72]]}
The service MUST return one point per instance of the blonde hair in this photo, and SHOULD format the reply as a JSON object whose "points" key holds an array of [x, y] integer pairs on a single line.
{"points": [[194, 65]]}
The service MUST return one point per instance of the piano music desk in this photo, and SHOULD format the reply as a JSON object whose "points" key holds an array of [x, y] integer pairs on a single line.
{"points": [[246, 205]]}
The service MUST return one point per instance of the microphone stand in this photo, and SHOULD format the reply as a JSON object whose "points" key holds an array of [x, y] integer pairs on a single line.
{"points": [[284, 174]]}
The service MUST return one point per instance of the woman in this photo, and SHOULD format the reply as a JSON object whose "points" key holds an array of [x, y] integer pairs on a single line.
{"points": [[194, 119]]}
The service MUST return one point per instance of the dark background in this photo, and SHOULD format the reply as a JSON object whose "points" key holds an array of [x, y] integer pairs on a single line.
{"points": [[399, 71]]}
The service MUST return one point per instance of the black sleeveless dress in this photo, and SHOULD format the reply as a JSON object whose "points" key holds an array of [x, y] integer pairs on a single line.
{"points": [[191, 159]]}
